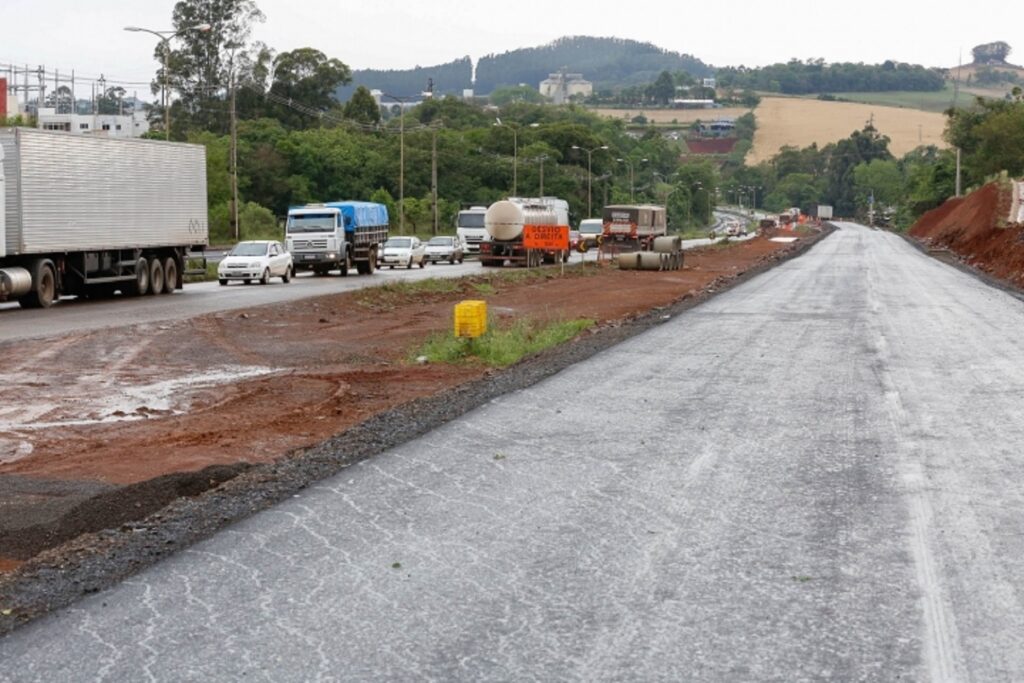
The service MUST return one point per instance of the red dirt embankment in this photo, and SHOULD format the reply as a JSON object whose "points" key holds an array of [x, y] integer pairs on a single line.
{"points": [[971, 228]]}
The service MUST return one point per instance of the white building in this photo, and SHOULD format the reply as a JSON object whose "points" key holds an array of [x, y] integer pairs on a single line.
{"points": [[562, 86], [111, 125]]}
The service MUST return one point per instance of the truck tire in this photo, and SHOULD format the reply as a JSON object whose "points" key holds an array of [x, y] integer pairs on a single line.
{"points": [[170, 275], [345, 265], [156, 276], [371, 262], [141, 285], [44, 286]]}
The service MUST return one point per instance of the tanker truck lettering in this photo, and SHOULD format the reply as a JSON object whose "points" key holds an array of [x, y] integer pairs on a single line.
{"points": [[72, 221], [505, 221]]}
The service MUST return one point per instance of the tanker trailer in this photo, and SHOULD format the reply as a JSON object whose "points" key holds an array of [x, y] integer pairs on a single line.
{"points": [[504, 222]]}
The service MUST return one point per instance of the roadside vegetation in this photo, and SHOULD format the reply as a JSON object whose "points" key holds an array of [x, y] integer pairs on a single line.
{"points": [[504, 343]]}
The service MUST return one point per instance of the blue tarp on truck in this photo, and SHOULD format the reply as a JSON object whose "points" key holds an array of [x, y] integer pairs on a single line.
{"points": [[361, 214]]}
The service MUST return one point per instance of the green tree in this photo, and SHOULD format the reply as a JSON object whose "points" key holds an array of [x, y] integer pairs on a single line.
{"points": [[520, 93], [309, 78], [200, 70], [663, 90], [362, 107], [880, 179]]}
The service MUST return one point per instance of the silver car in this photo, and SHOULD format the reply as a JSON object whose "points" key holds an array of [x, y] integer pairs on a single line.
{"points": [[445, 248], [404, 251]]}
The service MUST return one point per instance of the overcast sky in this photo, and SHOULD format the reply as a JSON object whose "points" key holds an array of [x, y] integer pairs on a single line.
{"points": [[88, 36]]}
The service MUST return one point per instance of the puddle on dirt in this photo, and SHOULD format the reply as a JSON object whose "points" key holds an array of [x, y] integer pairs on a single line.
{"points": [[97, 399], [14, 449]]}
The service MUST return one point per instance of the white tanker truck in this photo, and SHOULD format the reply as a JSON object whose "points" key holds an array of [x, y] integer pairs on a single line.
{"points": [[504, 222]]}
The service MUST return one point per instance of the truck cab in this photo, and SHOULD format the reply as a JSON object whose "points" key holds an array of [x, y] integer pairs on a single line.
{"points": [[315, 236], [469, 225]]}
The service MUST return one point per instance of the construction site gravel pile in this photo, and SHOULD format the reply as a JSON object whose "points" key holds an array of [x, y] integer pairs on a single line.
{"points": [[978, 230], [119, 453]]}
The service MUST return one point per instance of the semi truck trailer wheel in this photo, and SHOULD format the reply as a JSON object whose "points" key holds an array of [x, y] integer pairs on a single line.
{"points": [[141, 285], [44, 286], [170, 275], [156, 276]]}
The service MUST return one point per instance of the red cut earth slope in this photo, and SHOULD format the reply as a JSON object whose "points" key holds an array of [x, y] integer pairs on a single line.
{"points": [[970, 228]]}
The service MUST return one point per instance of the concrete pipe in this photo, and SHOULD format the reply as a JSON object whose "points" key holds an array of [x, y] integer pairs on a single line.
{"points": [[629, 261], [650, 260], [668, 244]]}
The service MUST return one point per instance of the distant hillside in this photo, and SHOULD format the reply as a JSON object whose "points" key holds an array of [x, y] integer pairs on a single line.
{"points": [[607, 62], [449, 79]]}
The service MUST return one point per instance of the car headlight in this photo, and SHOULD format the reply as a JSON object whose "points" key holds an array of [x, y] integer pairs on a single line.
{"points": [[255, 264]]}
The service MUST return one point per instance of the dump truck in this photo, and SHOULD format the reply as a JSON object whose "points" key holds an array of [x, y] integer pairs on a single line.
{"points": [[505, 222], [91, 216], [632, 227], [337, 236]]}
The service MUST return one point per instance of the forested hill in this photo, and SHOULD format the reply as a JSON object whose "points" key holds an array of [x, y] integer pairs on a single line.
{"points": [[449, 79], [606, 62]]}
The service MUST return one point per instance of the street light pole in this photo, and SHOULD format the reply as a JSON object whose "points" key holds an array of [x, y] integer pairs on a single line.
{"points": [[515, 154], [401, 159], [165, 48], [632, 187], [590, 176]]}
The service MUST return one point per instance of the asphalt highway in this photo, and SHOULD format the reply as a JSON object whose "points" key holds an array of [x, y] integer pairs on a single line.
{"points": [[814, 476]]}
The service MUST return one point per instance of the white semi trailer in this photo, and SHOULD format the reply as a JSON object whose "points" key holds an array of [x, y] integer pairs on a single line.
{"points": [[90, 216]]}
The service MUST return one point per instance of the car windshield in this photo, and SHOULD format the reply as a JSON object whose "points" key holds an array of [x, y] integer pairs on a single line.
{"points": [[312, 222], [590, 227], [249, 249], [399, 243], [440, 242]]}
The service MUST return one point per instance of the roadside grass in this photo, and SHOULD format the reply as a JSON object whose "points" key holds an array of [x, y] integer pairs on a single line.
{"points": [[388, 296], [211, 272], [500, 346]]}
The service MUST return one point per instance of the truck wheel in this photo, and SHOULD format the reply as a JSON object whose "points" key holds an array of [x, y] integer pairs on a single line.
{"points": [[141, 285], [344, 266], [266, 277], [222, 282], [170, 275], [156, 276], [44, 286], [371, 263]]}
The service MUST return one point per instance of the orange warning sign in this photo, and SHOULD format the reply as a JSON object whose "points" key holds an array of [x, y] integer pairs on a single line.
{"points": [[552, 237]]}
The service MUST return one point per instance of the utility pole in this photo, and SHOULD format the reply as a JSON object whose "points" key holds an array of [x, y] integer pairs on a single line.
{"points": [[958, 188], [234, 156], [433, 173]]}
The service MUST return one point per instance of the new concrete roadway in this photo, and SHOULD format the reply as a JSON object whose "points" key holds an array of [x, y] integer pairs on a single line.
{"points": [[815, 476]]}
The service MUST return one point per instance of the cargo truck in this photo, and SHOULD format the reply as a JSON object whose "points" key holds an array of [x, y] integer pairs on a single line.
{"points": [[90, 216], [469, 225], [337, 236], [632, 227], [505, 222]]}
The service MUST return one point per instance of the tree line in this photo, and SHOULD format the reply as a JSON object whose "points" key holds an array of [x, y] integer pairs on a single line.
{"points": [[815, 76]]}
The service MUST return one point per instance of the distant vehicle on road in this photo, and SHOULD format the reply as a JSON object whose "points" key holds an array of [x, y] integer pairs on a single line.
{"points": [[469, 225], [590, 231], [633, 227], [257, 260], [506, 222], [404, 251], [445, 248], [92, 215]]}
